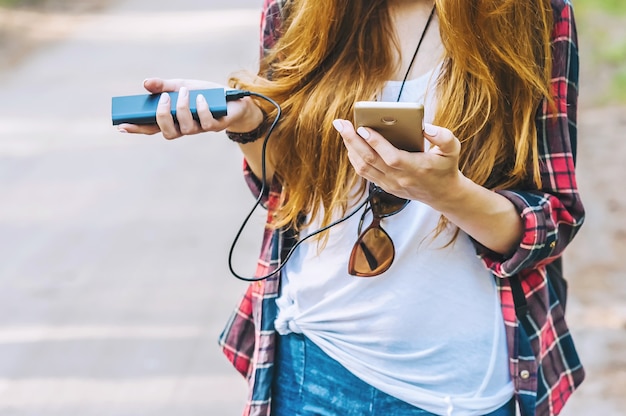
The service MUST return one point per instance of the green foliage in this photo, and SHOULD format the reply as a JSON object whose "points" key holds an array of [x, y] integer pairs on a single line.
{"points": [[615, 7], [618, 86], [615, 53], [602, 34], [21, 3]]}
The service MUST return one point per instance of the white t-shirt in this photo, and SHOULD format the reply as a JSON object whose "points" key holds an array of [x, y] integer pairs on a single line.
{"points": [[428, 331]]}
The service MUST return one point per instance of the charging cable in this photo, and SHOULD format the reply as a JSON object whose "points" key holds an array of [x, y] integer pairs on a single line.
{"points": [[233, 95]]}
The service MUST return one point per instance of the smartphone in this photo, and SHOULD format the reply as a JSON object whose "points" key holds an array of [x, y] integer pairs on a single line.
{"points": [[400, 123], [141, 109]]}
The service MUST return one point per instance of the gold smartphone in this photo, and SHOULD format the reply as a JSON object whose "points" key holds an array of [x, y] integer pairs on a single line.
{"points": [[400, 123]]}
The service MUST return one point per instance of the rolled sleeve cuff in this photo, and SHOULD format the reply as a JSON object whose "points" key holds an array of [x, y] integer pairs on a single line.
{"points": [[538, 241]]}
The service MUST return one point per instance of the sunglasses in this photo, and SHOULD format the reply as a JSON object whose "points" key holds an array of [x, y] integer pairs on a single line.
{"points": [[373, 251]]}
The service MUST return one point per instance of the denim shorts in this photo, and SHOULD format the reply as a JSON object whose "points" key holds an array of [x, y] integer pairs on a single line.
{"points": [[307, 382]]}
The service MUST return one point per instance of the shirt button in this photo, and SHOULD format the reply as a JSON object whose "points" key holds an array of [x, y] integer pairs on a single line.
{"points": [[553, 244], [524, 374]]}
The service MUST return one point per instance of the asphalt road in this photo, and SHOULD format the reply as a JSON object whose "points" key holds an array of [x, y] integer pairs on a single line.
{"points": [[114, 284]]}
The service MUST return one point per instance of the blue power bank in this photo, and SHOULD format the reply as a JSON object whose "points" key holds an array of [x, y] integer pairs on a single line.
{"points": [[141, 109]]}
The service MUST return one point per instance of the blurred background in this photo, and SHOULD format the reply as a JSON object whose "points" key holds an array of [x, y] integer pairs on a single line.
{"points": [[114, 284]]}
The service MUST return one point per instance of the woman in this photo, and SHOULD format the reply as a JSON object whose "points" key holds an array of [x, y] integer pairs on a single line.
{"points": [[492, 201]]}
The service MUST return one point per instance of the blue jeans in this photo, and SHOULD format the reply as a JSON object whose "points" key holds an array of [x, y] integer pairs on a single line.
{"points": [[308, 382]]}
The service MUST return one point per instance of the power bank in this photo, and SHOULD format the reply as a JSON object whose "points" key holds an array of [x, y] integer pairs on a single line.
{"points": [[141, 109]]}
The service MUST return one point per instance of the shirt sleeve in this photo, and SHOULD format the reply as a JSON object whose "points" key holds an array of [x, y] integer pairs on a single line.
{"points": [[552, 215], [271, 18]]}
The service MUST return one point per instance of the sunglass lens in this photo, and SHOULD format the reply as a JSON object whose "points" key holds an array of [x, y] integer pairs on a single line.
{"points": [[372, 254]]}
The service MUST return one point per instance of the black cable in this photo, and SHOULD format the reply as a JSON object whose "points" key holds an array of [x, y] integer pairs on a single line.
{"points": [[419, 43], [232, 95]]}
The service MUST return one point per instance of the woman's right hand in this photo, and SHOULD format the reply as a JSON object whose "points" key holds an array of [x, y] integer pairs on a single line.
{"points": [[243, 115]]}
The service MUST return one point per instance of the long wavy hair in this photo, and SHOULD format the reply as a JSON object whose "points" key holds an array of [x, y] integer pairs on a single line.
{"points": [[495, 74]]}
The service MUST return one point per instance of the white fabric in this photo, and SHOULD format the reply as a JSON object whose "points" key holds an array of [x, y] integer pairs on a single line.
{"points": [[428, 331]]}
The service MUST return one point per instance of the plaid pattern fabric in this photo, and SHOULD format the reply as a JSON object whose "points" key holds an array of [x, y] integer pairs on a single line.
{"points": [[544, 364]]}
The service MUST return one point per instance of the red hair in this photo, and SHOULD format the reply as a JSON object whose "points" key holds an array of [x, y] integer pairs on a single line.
{"points": [[495, 74]]}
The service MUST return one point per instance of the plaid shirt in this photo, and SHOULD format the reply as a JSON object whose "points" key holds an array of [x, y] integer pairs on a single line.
{"points": [[544, 365]]}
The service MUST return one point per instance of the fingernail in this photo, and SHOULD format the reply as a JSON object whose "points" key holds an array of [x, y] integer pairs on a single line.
{"points": [[430, 130], [183, 92], [200, 99], [338, 125], [122, 130], [362, 131], [164, 99]]}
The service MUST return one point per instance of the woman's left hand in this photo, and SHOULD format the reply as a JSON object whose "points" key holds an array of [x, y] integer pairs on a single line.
{"points": [[433, 177], [430, 177]]}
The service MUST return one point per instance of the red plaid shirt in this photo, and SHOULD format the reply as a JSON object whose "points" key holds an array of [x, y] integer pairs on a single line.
{"points": [[544, 365]]}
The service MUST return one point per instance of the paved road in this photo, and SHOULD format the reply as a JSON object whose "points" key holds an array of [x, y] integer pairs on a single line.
{"points": [[113, 277], [114, 284]]}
